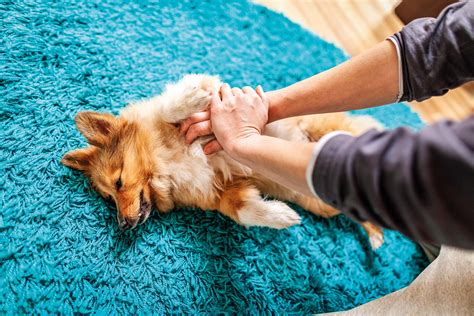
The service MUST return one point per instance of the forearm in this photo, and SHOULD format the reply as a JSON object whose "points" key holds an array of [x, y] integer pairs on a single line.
{"points": [[437, 54], [367, 80], [279, 160], [418, 183]]}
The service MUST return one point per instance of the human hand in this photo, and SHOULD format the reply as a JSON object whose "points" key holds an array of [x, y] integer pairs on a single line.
{"points": [[235, 116], [246, 111], [197, 125]]}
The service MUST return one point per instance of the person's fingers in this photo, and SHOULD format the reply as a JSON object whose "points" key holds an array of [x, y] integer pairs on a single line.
{"points": [[193, 119], [262, 94], [215, 102], [197, 130], [248, 90], [212, 147], [226, 93], [236, 91]]}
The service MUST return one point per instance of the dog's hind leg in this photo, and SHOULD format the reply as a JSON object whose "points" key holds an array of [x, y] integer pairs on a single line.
{"points": [[320, 208], [242, 202], [316, 206], [375, 234]]}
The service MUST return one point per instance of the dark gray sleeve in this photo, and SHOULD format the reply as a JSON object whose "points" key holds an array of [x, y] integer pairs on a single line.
{"points": [[437, 54], [421, 184]]}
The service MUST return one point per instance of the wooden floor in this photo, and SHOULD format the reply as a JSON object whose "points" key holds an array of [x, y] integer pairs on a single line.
{"points": [[356, 25]]}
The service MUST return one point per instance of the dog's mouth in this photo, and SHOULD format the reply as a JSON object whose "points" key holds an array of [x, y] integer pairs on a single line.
{"points": [[145, 209], [143, 214]]}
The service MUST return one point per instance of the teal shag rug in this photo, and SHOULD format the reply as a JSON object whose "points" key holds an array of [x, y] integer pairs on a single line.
{"points": [[60, 248]]}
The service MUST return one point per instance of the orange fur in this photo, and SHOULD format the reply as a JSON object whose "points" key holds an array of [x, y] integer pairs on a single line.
{"points": [[140, 160]]}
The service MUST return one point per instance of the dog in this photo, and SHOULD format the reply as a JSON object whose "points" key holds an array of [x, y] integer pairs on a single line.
{"points": [[140, 160]]}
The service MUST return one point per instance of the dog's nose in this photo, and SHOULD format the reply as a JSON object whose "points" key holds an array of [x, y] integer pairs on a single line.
{"points": [[127, 223]]}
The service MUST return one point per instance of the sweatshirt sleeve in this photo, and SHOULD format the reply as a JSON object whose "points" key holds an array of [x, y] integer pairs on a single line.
{"points": [[436, 55], [421, 184]]}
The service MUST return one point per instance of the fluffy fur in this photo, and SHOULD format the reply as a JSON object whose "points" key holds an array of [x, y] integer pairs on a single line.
{"points": [[140, 160]]}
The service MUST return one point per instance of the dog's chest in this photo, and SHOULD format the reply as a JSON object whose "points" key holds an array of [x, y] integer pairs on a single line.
{"points": [[192, 174]]}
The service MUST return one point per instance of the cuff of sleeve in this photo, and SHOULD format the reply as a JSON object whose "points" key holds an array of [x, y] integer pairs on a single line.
{"points": [[394, 40], [314, 158]]}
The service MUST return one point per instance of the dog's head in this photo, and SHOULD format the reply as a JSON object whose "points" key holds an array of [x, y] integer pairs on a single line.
{"points": [[118, 164]]}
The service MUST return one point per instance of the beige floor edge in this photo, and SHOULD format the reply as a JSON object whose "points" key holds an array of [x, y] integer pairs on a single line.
{"points": [[356, 25]]}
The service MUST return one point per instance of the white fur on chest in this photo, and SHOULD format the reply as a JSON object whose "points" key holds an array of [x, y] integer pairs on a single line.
{"points": [[193, 172]]}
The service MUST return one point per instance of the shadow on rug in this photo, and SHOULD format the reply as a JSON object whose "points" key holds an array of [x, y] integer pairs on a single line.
{"points": [[60, 249]]}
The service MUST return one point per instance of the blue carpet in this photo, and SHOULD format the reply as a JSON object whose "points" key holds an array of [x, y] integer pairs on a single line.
{"points": [[60, 249]]}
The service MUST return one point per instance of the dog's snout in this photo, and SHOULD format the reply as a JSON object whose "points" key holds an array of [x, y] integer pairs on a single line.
{"points": [[127, 223], [139, 216]]}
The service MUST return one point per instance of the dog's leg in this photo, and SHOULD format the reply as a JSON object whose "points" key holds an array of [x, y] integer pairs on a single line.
{"points": [[316, 206], [320, 208], [242, 202], [375, 234], [189, 95]]}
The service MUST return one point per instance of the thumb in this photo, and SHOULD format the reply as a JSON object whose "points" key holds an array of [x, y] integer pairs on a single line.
{"points": [[212, 147]]}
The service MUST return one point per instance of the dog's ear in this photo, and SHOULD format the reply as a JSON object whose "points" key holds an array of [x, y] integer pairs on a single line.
{"points": [[96, 127], [79, 159]]}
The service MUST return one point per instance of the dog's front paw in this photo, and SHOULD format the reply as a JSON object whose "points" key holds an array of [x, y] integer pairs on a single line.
{"points": [[204, 82], [197, 89], [196, 99], [189, 95]]}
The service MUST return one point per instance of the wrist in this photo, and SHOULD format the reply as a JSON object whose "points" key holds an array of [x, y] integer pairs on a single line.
{"points": [[241, 149], [276, 105]]}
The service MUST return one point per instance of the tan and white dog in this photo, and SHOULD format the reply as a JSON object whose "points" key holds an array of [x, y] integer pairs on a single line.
{"points": [[140, 160]]}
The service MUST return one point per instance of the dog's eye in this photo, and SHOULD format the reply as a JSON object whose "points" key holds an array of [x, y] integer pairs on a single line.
{"points": [[118, 184]]}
